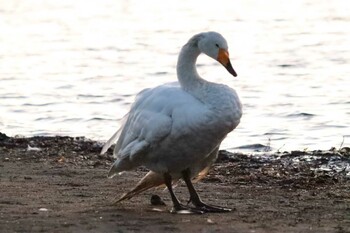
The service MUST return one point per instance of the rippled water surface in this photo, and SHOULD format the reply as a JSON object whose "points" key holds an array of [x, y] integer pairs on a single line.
{"points": [[73, 67]]}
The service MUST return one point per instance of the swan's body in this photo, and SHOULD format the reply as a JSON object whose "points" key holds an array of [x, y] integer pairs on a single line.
{"points": [[178, 127]]}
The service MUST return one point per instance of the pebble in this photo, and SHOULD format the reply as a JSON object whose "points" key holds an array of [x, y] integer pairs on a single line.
{"points": [[210, 221], [156, 200]]}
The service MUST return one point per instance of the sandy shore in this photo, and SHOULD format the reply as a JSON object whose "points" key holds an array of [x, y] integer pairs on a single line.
{"points": [[59, 184]]}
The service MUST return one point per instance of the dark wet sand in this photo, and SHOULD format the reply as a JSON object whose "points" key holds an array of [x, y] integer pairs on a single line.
{"points": [[63, 188]]}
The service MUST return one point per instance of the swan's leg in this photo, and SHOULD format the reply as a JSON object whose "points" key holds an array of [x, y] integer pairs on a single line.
{"points": [[196, 200], [178, 208]]}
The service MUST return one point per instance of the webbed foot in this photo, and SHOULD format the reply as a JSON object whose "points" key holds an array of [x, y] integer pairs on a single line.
{"points": [[181, 209], [211, 209]]}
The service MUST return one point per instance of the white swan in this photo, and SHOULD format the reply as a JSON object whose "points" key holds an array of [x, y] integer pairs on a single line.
{"points": [[175, 129]]}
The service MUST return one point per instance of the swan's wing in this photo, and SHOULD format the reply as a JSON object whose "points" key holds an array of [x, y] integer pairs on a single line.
{"points": [[143, 128], [148, 123], [155, 114], [143, 94]]}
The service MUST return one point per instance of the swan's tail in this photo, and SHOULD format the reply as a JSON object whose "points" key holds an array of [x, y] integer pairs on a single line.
{"points": [[110, 142], [115, 136], [152, 180]]}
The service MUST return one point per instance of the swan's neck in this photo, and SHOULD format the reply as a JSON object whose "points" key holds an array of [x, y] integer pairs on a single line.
{"points": [[187, 73]]}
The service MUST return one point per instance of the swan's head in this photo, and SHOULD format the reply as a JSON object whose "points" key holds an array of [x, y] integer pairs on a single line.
{"points": [[215, 46]]}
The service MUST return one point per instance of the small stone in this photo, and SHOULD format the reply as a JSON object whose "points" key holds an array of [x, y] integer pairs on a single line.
{"points": [[156, 200], [157, 210], [210, 221]]}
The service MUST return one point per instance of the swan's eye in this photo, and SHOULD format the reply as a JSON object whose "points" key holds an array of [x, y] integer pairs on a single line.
{"points": [[217, 45]]}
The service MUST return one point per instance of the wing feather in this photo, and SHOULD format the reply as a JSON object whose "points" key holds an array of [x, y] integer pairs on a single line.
{"points": [[151, 120]]}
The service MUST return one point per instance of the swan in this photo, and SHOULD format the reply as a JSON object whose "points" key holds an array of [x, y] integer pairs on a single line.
{"points": [[175, 129]]}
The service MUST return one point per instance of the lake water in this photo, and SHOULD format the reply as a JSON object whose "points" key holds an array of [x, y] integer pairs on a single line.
{"points": [[72, 67]]}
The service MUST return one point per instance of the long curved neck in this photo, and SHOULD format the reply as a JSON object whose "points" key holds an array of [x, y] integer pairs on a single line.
{"points": [[186, 68]]}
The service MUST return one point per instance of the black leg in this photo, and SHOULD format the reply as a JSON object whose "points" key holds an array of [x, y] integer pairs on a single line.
{"points": [[178, 208], [196, 200]]}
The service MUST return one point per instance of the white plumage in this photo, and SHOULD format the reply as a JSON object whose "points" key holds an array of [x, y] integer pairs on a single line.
{"points": [[178, 127]]}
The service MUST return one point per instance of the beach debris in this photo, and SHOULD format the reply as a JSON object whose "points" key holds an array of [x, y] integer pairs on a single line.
{"points": [[210, 221], [3, 136], [29, 148], [62, 159], [290, 169], [43, 210]]}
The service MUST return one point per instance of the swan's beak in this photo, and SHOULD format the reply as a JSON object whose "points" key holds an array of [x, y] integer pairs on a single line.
{"points": [[223, 58]]}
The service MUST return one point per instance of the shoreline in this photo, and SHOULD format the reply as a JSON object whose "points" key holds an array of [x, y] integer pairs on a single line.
{"points": [[59, 184]]}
